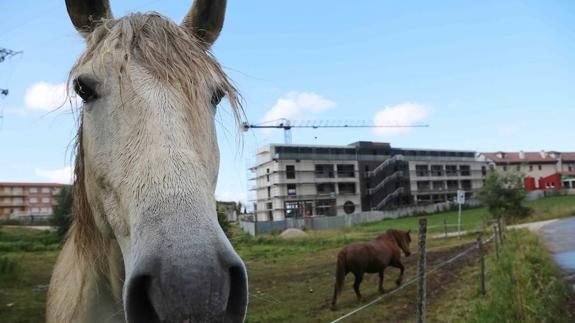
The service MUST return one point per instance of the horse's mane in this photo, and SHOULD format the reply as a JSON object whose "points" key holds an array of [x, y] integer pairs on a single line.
{"points": [[391, 234], [169, 54]]}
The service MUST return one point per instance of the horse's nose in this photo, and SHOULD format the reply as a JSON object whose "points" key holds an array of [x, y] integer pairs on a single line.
{"points": [[199, 290]]}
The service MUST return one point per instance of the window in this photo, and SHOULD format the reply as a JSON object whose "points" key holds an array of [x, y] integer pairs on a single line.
{"points": [[45, 200], [518, 168], [504, 168], [466, 185], [33, 200], [348, 207], [465, 170], [452, 185], [290, 171], [269, 192], [438, 185], [325, 207], [421, 170], [268, 174], [423, 186], [324, 171], [483, 170], [346, 188], [345, 170], [45, 190], [291, 190], [436, 170], [451, 170], [570, 168], [530, 168], [33, 190], [270, 211], [293, 209], [325, 188], [539, 166]]}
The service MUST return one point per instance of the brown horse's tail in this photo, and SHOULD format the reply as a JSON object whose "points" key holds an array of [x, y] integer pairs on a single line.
{"points": [[340, 272]]}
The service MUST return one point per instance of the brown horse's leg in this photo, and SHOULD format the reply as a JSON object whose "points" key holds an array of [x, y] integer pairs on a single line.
{"points": [[398, 264], [381, 291], [356, 283]]}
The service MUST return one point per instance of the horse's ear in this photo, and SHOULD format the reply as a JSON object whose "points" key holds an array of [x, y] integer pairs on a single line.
{"points": [[205, 20], [87, 15]]}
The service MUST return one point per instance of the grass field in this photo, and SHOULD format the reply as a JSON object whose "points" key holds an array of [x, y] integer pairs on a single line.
{"points": [[290, 280]]}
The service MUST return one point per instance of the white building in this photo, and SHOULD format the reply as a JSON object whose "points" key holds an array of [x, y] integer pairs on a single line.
{"points": [[312, 180]]}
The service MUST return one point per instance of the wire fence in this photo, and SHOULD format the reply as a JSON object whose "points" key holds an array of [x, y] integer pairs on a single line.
{"points": [[424, 272]]}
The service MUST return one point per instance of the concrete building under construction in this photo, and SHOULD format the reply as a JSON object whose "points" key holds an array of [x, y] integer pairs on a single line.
{"points": [[319, 180]]}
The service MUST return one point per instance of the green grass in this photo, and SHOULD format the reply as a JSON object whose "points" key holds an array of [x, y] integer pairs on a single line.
{"points": [[525, 285], [29, 256]]}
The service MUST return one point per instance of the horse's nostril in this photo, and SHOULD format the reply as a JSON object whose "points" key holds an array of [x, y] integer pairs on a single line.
{"points": [[238, 297], [139, 307]]}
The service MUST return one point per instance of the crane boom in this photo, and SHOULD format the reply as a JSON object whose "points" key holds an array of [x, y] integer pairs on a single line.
{"points": [[287, 125]]}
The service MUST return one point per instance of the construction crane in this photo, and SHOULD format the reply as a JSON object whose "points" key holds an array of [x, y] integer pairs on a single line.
{"points": [[287, 125]]}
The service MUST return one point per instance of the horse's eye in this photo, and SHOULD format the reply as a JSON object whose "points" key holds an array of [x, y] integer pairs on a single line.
{"points": [[217, 97], [84, 91]]}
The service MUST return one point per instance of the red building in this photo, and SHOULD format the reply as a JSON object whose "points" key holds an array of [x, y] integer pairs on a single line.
{"points": [[24, 199]]}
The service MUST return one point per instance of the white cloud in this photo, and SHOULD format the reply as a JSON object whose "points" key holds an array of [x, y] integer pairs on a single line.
{"points": [[298, 105], [63, 176], [402, 114], [44, 96]]}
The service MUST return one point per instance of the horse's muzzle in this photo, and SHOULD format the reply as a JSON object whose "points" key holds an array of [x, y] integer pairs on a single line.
{"points": [[161, 293], [185, 280]]}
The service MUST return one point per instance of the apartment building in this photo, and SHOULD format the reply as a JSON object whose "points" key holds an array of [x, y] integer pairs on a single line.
{"points": [[543, 170], [25, 199], [312, 180]]}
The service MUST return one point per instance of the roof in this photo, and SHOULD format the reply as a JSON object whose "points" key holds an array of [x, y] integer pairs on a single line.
{"points": [[31, 184], [529, 157]]}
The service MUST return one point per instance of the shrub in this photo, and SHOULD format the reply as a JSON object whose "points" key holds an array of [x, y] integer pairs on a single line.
{"points": [[503, 194]]}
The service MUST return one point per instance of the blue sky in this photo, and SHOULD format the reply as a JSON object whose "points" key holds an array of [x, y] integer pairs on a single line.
{"points": [[486, 76]]}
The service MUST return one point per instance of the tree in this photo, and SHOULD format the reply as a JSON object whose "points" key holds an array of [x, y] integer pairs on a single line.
{"points": [[223, 221], [503, 195], [62, 217]]}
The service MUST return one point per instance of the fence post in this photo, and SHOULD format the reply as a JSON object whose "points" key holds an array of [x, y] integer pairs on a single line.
{"points": [[499, 230], [445, 226], [481, 264], [421, 267], [496, 240]]}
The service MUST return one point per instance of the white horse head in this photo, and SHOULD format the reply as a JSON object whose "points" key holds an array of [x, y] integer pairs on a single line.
{"points": [[146, 240]]}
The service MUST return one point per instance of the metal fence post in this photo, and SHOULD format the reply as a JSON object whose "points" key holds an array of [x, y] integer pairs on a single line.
{"points": [[496, 240], [421, 267], [482, 265]]}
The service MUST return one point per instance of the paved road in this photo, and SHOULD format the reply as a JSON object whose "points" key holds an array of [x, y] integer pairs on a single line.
{"points": [[560, 239]]}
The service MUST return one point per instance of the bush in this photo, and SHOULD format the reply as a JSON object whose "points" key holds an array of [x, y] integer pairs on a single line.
{"points": [[224, 223], [503, 195], [7, 266], [62, 218]]}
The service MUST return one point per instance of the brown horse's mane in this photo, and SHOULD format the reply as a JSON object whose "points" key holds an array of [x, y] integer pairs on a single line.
{"points": [[393, 235], [171, 55]]}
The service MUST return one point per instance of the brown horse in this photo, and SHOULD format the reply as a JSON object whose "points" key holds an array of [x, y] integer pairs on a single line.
{"points": [[371, 257]]}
